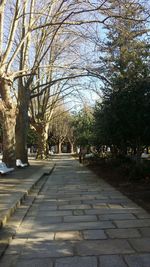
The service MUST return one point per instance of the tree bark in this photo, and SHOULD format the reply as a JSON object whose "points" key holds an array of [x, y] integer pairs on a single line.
{"points": [[72, 148], [42, 133], [8, 127], [59, 147], [22, 124], [8, 115]]}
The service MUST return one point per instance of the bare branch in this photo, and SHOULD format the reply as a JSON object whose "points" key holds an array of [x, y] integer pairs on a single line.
{"points": [[12, 32], [2, 7]]}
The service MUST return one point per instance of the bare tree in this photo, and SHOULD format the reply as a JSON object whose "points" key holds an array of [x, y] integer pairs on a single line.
{"points": [[24, 13], [60, 126], [43, 110]]}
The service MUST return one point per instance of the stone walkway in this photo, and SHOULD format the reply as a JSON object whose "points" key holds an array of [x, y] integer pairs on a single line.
{"points": [[79, 220]]}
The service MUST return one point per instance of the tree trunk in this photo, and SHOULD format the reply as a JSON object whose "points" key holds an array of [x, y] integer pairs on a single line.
{"points": [[59, 147], [72, 148], [8, 127], [42, 132], [22, 124], [8, 115]]}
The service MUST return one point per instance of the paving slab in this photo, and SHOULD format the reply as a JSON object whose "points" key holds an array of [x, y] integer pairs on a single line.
{"points": [[132, 223], [94, 234], [77, 262], [116, 216], [101, 210], [68, 235], [112, 261], [97, 247], [80, 218], [35, 262], [140, 260], [141, 244], [145, 232], [123, 233], [10, 261], [52, 213]]}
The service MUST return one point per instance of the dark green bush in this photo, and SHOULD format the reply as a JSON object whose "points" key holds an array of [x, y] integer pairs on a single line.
{"points": [[140, 171]]}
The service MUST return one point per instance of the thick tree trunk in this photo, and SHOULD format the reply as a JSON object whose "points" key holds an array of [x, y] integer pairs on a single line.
{"points": [[59, 147], [42, 132], [22, 124], [72, 148], [8, 115], [8, 126]]}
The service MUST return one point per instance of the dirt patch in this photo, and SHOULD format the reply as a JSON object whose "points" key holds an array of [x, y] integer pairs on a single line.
{"points": [[138, 191]]}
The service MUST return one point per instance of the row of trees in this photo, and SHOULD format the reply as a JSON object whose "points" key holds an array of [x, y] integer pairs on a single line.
{"points": [[46, 45], [72, 128], [60, 132]]}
